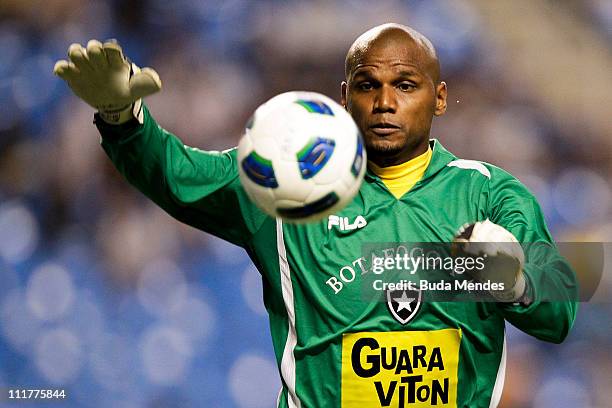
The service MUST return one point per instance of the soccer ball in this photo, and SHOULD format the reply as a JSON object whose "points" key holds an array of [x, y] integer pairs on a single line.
{"points": [[301, 157]]}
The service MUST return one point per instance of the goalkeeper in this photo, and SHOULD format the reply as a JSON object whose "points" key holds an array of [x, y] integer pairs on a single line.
{"points": [[332, 348]]}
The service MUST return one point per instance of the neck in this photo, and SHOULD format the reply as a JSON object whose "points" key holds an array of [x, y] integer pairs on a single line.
{"points": [[384, 159]]}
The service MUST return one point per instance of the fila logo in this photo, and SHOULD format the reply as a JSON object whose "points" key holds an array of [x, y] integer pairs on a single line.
{"points": [[343, 223]]}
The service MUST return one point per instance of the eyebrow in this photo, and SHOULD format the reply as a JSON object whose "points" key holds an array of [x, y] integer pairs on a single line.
{"points": [[365, 71], [362, 70], [409, 72]]}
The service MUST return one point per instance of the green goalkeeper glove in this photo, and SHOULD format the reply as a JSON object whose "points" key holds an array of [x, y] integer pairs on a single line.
{"points": [[504, 258], [101, 76]]}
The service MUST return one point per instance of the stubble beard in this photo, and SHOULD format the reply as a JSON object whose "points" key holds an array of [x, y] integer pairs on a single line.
{"points": [[385, 152], [382, 153]]}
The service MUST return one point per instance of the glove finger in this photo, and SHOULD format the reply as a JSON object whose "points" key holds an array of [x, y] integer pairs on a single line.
{"points": [[114, 54], [78, 56], [96, 55], [143, 83], [66, 70]]}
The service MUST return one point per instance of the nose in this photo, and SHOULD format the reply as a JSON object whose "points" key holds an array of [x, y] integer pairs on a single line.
{"points": [[385, 100]]}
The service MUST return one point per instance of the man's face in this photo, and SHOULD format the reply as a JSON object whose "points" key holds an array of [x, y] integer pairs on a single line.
{"points": [[392, 97]]}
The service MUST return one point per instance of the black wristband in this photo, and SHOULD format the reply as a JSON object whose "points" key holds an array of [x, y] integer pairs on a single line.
{"points": [[115, 132]]}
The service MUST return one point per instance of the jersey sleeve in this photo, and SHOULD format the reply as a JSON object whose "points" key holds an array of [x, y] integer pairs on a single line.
{"points": [[197, 187], [552, 283]]}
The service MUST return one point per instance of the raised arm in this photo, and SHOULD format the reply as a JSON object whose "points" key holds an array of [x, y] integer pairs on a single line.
{"points": [[199, 188]]}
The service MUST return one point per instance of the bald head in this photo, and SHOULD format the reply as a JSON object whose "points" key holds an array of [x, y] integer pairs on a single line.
{"points": [[413, 43]]}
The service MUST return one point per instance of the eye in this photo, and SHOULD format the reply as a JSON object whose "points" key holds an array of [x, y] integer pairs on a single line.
{"points": [[406, 86], [365, 86]]}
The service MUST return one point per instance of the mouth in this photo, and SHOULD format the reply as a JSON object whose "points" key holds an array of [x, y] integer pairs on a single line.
{"points": [[384, 128]]}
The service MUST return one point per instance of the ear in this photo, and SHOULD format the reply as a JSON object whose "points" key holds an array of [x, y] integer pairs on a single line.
{"points": [[343, 94], [441, 94]]}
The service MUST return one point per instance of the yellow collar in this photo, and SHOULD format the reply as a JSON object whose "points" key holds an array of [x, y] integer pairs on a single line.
{"points": [[402, 177]]}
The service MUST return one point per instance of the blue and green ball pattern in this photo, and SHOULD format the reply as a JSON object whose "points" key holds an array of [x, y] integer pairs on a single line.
{"points": [[314, 155], [315, 106], [358, 160], [259, 170]]}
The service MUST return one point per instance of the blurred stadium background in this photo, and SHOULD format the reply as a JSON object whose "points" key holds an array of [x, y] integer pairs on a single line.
{"points": [[103, 294]]}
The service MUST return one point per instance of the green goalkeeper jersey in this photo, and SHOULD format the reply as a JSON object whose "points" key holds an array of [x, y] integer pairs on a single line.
{"points": [[333, 348]]}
